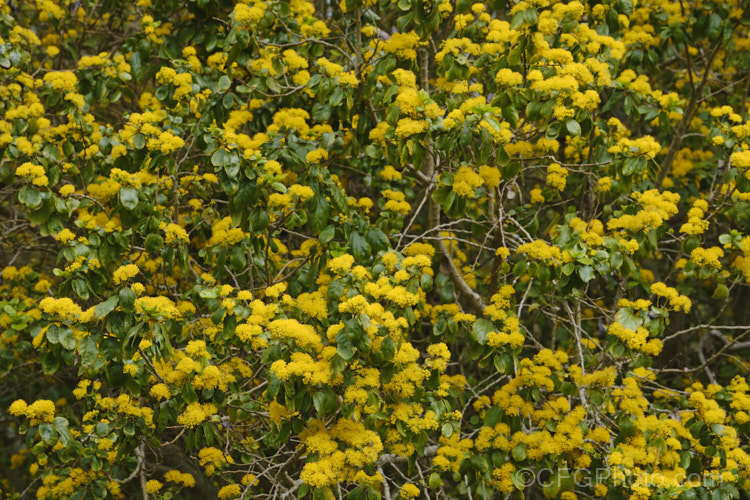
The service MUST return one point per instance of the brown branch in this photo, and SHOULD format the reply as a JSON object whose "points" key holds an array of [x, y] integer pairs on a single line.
{"points": [[674, 147]]}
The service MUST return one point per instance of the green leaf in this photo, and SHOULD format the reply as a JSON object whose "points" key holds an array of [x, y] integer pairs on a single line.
{"points": [[129, 197], [628, 319], [325, 401], [81, 288], [337, 96], [586, 273], [344, 346], [519, 452], [136, 67], [154, 243], [89, 351], [47, 433], [359, 246], [493, 416], [106, 307], [218, 158], [574, 128], [50, 362], [327, 234], [482, 327], [377, 239], [67, 339], [139, 141], [30, 197], [320, 213], [61, 426], [224, 83], [321, 112], [388, 348], [129, 429]]}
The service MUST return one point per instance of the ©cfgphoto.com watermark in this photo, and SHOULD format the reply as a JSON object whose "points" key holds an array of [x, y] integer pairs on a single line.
{"points": [[586, 478]]}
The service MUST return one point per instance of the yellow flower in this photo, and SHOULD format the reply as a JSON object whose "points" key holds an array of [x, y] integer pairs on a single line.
{"points": [[230, 491], [316, 155], [248, 16], [556, 176], [342, 264], [403, 45], [508, 78], [152, 486], [195, 414], [536, 196], [177, 477], [65, 236], [160, 391], [124, 273], [466, 181], [409, 491], [407, 127]]}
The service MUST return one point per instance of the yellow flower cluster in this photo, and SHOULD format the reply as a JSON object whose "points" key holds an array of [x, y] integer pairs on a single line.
{"points": [[153, 486], [229, 491], [540, 250], [409, 491], [707, 257], [175, 233], [223, 234], [195, 414], [316, 155], [36, 173], [657, 208], [557, 176], [65, 81], [341, 265], [303, 193], [290, 329], [166, 142], [213, 460], [42, 410], [124, 273], [466, 181], [637, 339], [396, 202], [342, 451], [157, 307], [508, 78], [247, 16], [676, 300], [647, 146], [406, 127], [64, 308], [695, 224], [402, 45], [591, 233], [312, 372]]}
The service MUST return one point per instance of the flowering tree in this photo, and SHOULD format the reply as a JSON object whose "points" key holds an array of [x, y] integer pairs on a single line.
{"points": [[374, 250]]}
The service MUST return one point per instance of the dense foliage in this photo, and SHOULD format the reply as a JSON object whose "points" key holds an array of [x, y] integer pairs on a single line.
{"points": [[434, 249]]}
